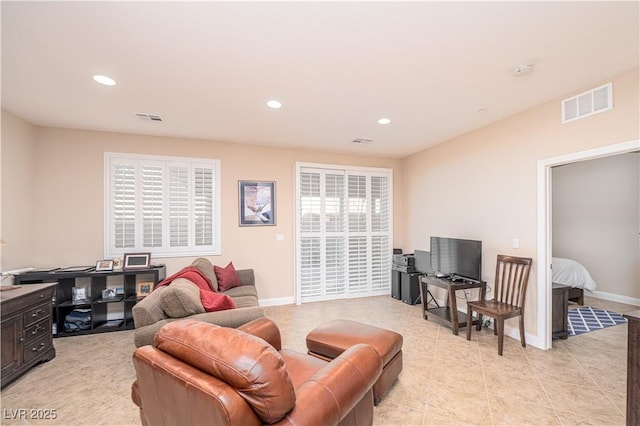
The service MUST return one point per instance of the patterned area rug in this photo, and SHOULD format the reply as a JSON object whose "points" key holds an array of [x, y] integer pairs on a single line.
{"points": [[586, 319]]}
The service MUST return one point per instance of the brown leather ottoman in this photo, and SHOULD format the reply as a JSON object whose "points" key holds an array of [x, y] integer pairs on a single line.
{"points": [[329, 340]]}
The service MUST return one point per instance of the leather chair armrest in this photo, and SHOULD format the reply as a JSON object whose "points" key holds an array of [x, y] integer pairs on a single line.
{"points": [[264, 328], [330, 394]]}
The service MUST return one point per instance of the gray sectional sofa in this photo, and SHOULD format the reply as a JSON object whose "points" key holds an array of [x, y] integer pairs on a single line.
{"points": [[181, 299]]}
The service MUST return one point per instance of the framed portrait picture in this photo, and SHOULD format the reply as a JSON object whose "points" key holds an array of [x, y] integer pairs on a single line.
{"points": [[144, 288], [104, 265], [136, 261], [257, 203]]}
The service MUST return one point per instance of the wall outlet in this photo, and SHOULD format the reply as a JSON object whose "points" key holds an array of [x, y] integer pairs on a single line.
{"points": [[515, 243], [279, 237]]}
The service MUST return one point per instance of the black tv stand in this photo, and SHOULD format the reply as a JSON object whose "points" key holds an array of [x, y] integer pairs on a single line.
{"points": [[449, 313]]}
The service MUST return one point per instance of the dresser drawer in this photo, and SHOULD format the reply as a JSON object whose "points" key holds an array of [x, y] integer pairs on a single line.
{"points": [[37, 330], [37, 313], [24, 301], [37, 347]]}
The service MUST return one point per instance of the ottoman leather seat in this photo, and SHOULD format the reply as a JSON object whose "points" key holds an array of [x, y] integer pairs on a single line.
{"points": [[329, 340]]}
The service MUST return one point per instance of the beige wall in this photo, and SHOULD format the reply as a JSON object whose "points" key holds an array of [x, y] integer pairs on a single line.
{"points": [[482, 185], [17, 180], [596, 219], [68, 186]]}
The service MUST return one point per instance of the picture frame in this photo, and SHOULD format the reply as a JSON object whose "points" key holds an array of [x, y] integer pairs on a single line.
{"points": [[105, 265], [80, 295], [109, 294], [256, 203], [136, 261], [144, 288]]}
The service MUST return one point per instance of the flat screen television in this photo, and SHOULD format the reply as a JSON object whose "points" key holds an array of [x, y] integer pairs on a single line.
{"points": [[456, 258]]}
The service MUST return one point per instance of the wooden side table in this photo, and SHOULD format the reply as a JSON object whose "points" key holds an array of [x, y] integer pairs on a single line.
{"points": [[449, 313]]}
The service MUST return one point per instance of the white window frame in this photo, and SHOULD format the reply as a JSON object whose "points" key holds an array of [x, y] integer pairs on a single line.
{"points": [[191, 249], [347, 170]]}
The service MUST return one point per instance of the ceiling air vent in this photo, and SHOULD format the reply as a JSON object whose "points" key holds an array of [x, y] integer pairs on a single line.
{"points": [[362, 141], [148, 117], [588, 103]]}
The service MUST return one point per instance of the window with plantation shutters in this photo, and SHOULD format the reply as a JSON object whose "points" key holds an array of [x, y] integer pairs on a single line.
{"points": [[167, 206], [344, 232]]}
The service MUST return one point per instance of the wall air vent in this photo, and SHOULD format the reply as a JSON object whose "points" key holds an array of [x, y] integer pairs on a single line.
{"points": [[148, 117], [362, 141], [588, 103]]}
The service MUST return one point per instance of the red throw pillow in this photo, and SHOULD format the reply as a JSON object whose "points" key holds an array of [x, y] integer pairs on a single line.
{"points": [[227, 277], [215, 301]]}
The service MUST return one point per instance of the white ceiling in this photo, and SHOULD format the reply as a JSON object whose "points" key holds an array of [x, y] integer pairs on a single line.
{"points": [[207, 68]]}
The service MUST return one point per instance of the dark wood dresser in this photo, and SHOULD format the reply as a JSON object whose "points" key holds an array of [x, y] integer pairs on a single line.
{"points": [[560, 310], [26, 328], [633, 368]]}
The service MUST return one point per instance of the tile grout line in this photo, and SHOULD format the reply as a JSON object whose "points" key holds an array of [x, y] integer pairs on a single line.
{"points": [[484, 377], [546, 393]]}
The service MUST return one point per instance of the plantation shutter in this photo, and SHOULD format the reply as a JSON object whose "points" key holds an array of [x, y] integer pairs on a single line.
{"points": [[178, 207], [309, 224], [203, 206], [358, 247], [380, 238], [162, 205], [152, 209], [344, 233], [124, 205]]}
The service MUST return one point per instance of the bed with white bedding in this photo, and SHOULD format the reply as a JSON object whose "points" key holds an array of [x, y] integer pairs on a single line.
{"points": [[572, 273]]}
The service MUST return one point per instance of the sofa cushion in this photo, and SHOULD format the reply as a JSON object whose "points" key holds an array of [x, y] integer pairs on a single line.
{"points": [[181, 299], [245, 301], [227, 277], [206, 267], [213, 301], [245, 362], [242, 290]]}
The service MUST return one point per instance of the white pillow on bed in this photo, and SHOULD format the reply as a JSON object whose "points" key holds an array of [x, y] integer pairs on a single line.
{"points": [[569, 272]]}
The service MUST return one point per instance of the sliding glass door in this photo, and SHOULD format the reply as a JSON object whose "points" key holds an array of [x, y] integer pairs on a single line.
{"points": [[344, 232]]}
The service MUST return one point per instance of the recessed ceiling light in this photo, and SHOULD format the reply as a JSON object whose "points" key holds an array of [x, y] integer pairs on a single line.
{"points": [[384, 121], [103, 79], [274, 104]]}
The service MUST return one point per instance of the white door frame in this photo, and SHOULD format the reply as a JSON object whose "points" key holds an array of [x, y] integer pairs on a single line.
{"points": [[544, 226]]}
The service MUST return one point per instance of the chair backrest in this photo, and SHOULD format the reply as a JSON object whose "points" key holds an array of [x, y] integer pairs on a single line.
{"points": [[512, 276]]}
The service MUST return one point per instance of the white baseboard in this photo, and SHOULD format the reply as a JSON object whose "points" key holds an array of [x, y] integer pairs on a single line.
{"points": [[613, 297], [277, 301]]}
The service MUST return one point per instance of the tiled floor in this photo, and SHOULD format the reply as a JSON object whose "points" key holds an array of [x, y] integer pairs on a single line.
{"points": [[445, 380]]}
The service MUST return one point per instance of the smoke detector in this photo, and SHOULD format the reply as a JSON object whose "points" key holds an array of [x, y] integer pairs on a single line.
{"points": [[522, 69]]}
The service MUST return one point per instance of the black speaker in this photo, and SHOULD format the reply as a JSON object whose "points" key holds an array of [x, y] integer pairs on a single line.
{"points": [[395, 284], [410, 288]]}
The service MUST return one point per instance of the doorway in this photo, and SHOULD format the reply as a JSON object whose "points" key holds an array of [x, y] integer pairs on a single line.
{"points": [[544, 227]]}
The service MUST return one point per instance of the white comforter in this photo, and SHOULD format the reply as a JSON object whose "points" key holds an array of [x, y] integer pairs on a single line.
{"points": [[569, 272]]}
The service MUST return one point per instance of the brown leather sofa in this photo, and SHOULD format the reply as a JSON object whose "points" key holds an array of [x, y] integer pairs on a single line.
{"points": [[198, 373]]}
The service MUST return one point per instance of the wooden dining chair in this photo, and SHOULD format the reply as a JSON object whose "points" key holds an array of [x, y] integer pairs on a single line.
{"points": [[510, 289]]}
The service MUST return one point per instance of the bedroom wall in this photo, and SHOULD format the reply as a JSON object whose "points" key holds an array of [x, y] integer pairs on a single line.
{"points": [[18, 146], [596, 219], [482, 185], [67, 184]]}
